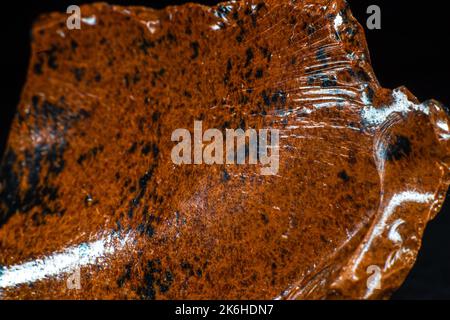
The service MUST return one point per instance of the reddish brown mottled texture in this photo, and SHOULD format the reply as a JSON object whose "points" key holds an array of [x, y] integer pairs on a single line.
{"points": [[362, 169]]}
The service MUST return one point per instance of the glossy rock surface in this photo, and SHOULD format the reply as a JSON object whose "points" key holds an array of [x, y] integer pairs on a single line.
{"points": [[88, 188]]}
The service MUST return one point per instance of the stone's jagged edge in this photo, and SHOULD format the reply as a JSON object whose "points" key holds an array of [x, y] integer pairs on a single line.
{"points": [[312, 288], [346, 282], [345, 285]]}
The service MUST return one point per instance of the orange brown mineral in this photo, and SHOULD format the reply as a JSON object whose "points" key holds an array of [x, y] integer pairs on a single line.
{"points": [[93, 207]]}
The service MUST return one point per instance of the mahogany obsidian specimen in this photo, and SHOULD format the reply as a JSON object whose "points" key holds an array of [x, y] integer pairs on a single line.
{"points": [[87, 180]]}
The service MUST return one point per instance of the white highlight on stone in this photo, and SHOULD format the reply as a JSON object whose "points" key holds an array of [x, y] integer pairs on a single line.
{"points": [[152, 25], [401, 104], [62, 262], [338, 22], [396, 201], [92, 20], [394, 235]]}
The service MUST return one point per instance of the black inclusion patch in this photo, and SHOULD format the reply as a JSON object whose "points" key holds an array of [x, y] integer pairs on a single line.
{"points": [[156, 279], [126, 275], [344, 176], [225, 176], [399, 149], [195, 49], [10, 187]]}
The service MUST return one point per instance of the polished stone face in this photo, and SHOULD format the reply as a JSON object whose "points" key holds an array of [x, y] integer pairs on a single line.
{"points": [[92, 205]]}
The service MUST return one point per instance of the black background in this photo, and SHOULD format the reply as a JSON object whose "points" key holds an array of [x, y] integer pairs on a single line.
{"points": [[410, 49]]}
